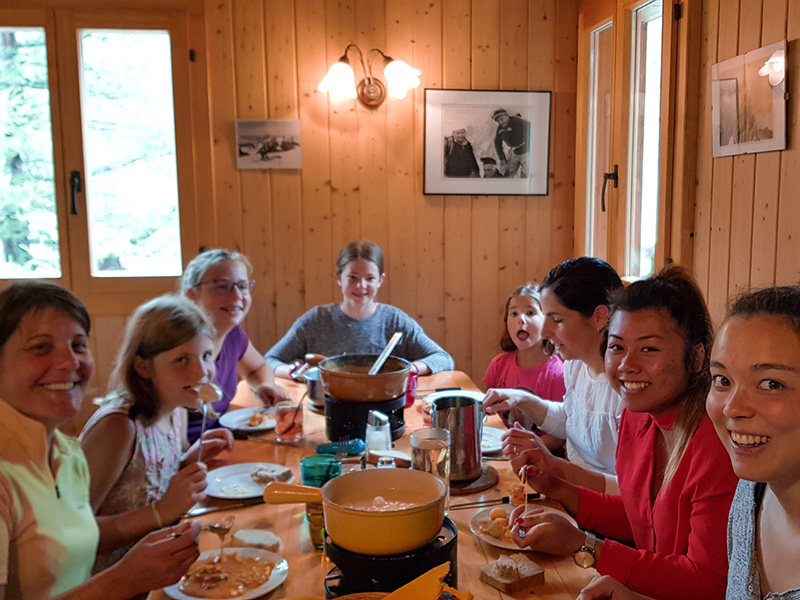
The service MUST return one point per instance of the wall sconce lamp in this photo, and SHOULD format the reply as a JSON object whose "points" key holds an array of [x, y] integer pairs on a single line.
{"points": [[371, 92], [774, 68]]}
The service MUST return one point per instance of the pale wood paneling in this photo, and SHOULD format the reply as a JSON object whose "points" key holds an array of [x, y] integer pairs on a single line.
{"points": [[486, 234], [283, 195], [788, 250], [312, 64], [427, 45], [744, 167], [456, 37], [768, 168], [705, 163], [746, 215], [402, 200], [249, 33], [722, 187], [543, 74], [220, 54], [451, 261], [562, 142]]}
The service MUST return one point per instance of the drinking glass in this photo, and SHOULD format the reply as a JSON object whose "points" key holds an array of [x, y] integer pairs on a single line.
{"points": [[316, 470], [289, 422], [430, 452]]}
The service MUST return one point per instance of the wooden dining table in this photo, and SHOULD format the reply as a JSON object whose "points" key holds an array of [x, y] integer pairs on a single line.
{"points": [[308, 566]]}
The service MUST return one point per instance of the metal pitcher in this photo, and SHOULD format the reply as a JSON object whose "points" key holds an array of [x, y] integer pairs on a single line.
{"points": [[461, 413]]}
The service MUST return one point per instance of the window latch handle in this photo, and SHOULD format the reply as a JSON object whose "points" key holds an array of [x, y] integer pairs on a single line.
{"points": [[75, 187], [614, 176]]}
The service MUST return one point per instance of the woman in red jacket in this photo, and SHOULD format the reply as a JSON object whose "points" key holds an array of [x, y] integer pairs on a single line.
{"points": [[676, 482]]}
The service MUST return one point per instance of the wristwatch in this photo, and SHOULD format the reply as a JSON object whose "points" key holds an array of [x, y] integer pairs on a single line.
{"points": [[584, 556]]}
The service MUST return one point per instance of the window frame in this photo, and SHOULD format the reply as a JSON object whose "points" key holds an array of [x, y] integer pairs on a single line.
{"points": [[678, 130], [111, 295]]}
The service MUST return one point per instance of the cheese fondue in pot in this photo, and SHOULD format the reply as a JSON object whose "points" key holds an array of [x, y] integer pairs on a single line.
{"points": [[399, 500]]}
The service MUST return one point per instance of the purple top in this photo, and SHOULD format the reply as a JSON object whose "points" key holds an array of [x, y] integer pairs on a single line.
{"points": [[233, 349]]}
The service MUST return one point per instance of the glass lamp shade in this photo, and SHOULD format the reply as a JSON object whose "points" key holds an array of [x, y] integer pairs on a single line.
{"points": [[339, 82], [774, 68], [400, 77]]}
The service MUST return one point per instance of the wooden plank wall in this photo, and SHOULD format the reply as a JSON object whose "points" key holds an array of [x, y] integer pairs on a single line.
{"points": [[451, 260], [747, 210]]}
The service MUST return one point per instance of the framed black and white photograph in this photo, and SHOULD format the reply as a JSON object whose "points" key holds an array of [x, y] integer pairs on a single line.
{"points": [[268, 144], [748, 106], [483, 142]]}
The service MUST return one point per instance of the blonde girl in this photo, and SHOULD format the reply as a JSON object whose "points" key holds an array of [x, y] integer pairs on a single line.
{"points": [[143, 474]]}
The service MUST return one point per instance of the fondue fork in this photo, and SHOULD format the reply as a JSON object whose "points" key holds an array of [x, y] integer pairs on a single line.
{"points": [[207, 393], [492, 502]]}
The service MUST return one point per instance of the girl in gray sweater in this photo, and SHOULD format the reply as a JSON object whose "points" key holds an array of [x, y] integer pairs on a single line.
{"points": [[358, 324]]}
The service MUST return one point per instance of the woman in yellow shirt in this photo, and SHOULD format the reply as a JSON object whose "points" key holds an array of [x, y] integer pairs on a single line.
{"points": [[48, 535]]}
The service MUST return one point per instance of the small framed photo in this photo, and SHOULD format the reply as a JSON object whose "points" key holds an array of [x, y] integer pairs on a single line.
{"points": [[268, 144], [483, 142], [748, 102]]}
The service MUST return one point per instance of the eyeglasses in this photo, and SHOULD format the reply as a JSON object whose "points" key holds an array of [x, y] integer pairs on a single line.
{"points": [[223, 287]]}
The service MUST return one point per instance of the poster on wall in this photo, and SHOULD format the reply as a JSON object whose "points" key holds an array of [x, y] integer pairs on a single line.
{"points": [[483, 142], [268, 144], [748, 106]]}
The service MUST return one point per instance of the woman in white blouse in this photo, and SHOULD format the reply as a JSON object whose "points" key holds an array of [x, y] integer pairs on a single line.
{"points": [[575, 297]]}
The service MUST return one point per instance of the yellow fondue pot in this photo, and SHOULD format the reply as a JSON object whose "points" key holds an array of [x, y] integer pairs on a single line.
{"points": [[369, 531]]}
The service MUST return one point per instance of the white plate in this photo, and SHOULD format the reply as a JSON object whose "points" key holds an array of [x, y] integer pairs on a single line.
{"points": [[490, 442], [234, 482], [276, 578], [483, 515], [238, 419]]}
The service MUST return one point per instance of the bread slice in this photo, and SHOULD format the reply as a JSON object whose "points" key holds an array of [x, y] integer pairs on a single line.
{"points": [[512, 573], [268, 473], [257, 538]]}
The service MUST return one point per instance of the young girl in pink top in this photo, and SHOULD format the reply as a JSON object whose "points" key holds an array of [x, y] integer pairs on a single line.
{"points": [[143, 473], [528, 360]]}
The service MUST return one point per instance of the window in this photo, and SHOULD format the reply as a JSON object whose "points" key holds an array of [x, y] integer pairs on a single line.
{"points": [[129, 153], [29, 224], [90, 171], [644, 129], [623, 116], [598, 143]]}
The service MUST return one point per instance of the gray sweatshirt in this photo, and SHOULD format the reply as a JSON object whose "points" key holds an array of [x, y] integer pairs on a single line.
{"points": [[326, 330]]}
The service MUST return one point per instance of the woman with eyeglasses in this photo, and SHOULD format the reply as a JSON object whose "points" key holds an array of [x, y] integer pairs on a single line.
{"points": [[219, 281]]}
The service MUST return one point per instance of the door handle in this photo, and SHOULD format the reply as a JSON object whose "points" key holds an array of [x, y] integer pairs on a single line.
{"points": [[614, 176], [75, 187]]}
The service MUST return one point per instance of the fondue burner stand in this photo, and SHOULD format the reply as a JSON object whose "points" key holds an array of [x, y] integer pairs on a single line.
{"points": [[348, 420], [355, 573]]}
